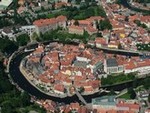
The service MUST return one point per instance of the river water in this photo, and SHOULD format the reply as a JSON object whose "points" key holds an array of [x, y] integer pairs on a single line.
{"points": [[21, 81]]}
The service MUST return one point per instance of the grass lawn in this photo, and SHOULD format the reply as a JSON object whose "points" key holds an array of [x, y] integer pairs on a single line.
{"points": [[125, 96], [139, 88], [117, 78]]}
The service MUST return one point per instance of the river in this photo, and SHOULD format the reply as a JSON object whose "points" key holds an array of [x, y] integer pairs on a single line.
{"points": [[23, 83]]}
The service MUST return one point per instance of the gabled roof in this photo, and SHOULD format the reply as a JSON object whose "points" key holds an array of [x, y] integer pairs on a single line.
{"points": [[111, 62]]}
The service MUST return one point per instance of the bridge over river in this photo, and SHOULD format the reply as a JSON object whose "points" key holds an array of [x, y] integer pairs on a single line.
{"points": [[80, 97], [22, 82]]}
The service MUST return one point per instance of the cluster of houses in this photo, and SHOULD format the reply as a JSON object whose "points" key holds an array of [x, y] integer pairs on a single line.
{"points": [[13, 31], [103, 104], [50, 106], [88, 25], [109, 104], [44, 25], [38, 5], [125, 33], [62, 68]]}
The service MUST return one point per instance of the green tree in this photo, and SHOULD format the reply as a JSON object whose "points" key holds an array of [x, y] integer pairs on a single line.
{"points": [[78, 1], [99, 34], [112, 92], [147, 83], [105, 24], [143, 25], [85, 36], [6, 44], [132, 93], [135, 83], [42, 8], [137, 22], [23, 39], [118, 2], [5, 22], [15, 6], [12, 100], [6, 107], [25, 99], [101, 12], [35, 36]]}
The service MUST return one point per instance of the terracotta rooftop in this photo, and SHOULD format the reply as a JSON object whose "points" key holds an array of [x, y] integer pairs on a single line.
{"points": [[44, 22], [75, 27], [91, 29]]}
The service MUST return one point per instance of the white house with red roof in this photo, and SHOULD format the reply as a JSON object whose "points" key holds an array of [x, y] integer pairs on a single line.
{"points": [[145, 20], [136, 66], [76, 30], [91, 30], [44, 25], [100, 42], [59, 88]]}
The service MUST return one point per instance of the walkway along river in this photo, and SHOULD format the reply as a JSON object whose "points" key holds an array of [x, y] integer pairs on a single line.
{"points": [[23, 83]]}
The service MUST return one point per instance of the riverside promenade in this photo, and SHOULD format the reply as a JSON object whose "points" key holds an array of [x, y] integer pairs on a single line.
{"points": [[19, 79], [26, 75]]}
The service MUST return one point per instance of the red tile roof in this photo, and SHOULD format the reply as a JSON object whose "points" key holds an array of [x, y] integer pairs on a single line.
{"points": [[44, 22], [84, 22], [88, 89], [61, 18], [145, 19], [143, 63], [75, 106], [44, 79], [60, 4], [134, 17], [96, 18], [91, 29], [82, 109], [75, 27], [130, 65], [100, 41], [130, 106], [59, 87]]}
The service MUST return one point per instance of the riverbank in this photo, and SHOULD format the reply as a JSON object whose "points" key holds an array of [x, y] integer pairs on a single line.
{"points": [[26, 75], [48, 87], [24, 84]]}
